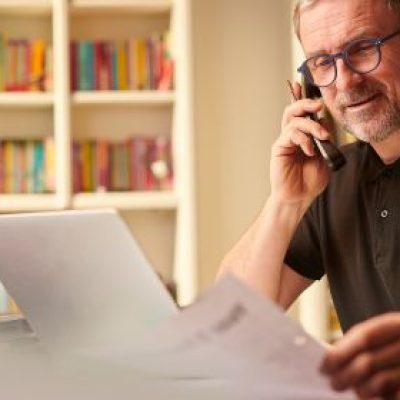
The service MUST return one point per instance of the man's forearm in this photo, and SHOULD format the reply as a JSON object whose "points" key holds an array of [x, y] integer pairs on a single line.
{"points": [[258, 257]]}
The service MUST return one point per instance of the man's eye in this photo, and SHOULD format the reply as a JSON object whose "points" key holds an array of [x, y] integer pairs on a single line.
{"points": [[362, 48], [322, 62]]}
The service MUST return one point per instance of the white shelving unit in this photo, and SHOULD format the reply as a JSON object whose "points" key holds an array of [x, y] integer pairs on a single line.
{"points": [[69, 115]]}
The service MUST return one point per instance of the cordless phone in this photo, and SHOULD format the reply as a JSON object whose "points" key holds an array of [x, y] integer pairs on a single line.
{"points": [[330, 153]]}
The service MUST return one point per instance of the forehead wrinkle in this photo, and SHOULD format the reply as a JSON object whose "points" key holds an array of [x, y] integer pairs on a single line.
{"points": [[330, 31]]}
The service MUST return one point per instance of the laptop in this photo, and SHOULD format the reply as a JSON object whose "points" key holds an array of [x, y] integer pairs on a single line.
{"points": [[80, 279]]}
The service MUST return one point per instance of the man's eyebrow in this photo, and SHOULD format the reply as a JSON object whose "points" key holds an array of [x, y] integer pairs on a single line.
{"points": [[360, 35]]}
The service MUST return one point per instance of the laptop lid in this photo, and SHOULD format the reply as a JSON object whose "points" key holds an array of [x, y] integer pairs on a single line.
{"points": [[80, 278]]}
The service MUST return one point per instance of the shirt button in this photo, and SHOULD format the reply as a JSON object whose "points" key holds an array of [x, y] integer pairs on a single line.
{"points": [[384, 213]]}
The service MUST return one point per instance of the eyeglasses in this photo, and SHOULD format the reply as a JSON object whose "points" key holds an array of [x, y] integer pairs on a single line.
{"points": [[360, 56]]}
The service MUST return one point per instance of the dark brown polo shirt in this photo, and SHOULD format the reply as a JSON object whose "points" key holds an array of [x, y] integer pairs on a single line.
{"points": [[352, 233]]}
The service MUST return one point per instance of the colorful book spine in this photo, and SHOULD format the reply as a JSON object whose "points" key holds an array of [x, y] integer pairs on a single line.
{"points": [[38, 168], [29, 173], [48, 75], [74, 66], [50, 164], [8, 167], [86, 160], [139, 163], [122, 66], [38, 51], [86, 73]]}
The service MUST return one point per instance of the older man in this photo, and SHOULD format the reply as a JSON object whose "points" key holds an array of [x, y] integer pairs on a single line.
{"points": [[344, 224]]}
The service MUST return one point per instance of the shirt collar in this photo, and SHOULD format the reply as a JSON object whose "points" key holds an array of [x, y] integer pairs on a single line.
{"points": [[375, 167]]}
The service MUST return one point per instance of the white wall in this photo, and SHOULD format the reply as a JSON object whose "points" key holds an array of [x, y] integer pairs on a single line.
{"points": [[242, 59]]}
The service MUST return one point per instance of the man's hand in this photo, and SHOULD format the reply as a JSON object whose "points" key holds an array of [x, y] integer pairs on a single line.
{"points": [[298, 173], [367, 359]]}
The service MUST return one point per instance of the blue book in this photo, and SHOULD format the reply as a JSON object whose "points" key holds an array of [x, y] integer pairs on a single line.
{"points": [[86, 65], [38, 167]]}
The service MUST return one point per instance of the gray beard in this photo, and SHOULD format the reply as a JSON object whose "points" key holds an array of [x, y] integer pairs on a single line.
{"points": [[377, 131]]}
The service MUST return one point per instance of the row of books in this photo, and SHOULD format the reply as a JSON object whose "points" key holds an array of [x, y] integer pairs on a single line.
{"points": [[139, 163], [27, 166], [25, 65], [135, 64]]}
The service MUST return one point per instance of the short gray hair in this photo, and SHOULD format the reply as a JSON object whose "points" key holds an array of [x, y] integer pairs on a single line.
{"points": [[392, 4]]}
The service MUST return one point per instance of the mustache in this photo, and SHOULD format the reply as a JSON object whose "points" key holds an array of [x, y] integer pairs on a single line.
{"points": [[359, 94]]}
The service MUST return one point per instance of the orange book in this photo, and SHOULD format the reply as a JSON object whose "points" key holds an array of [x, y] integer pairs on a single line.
{"points": [[38, 51], [122, 66], [140, 64]]}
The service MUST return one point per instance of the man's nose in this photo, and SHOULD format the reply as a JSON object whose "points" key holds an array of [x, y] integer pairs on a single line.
{"points": [[346, 78]]}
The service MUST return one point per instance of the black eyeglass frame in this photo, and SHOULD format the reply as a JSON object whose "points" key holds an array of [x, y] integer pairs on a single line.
{"points": [[378, 42]]}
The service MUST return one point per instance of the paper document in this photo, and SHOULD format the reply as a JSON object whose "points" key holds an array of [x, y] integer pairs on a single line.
{"points": [[234, 335], [231, 344]]}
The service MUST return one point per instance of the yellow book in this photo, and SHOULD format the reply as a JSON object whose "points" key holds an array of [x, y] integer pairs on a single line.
{"points": [[86, 160], [140, 64], [122, 66], [50, 164], [38, 50], [131, 64]]}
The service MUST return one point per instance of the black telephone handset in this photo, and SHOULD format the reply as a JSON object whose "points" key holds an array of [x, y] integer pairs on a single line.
{"points": [[331, 154]]}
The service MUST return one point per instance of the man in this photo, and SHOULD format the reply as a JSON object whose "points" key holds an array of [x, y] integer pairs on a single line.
{"points": [[345, 224]]}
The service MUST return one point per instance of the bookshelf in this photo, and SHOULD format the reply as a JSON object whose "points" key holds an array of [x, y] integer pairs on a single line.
{"points": [[162, 220]]}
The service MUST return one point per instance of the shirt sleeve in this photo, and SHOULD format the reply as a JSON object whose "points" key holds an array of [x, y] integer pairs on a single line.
{"points": [[304, 252]]}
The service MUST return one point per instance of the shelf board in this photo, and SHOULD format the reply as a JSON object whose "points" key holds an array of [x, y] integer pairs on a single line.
{"points": [[126, 200], [120, 6], [27, 202], [26, 7], [26, 99], [145, 97]]}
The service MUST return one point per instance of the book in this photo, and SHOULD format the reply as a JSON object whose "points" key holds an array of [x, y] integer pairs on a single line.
{"points": [[37, 60]]}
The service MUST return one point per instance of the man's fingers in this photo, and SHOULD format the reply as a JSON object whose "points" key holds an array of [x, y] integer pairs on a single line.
{"points": [[365, 365], [385, 384], [298, 133], [300, 109], [361, 338]]}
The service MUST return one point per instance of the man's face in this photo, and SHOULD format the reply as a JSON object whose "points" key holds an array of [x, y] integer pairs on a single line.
{"points": [[367, 105]]}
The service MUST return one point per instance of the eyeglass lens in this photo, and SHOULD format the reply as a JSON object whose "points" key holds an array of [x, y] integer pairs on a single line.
{"points": [[362, 56]]}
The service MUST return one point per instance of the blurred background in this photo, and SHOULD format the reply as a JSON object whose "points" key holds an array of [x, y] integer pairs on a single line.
{"points": [[165, 110]]}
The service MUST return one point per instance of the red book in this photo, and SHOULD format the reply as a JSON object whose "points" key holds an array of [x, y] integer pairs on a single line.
{"points": [[109, 53], [159, 60], [103, 165], [74, 70], [138, 163], [97, 59], [166, 82], [77, 167], [150, 181]]}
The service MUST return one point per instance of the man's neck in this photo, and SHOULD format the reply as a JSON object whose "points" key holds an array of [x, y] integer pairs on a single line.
{"points": [[389, 149]]}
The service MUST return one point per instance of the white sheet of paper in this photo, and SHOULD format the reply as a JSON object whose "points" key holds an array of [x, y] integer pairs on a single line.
{"points": [[233, 335]]}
